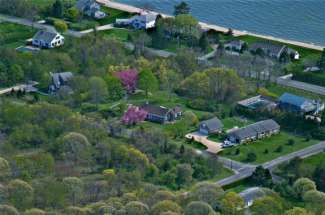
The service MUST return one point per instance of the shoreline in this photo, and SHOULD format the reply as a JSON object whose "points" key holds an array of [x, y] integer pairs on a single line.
{"points": [[206, 26]]}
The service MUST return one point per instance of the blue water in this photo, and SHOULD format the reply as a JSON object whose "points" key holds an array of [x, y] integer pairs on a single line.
{"points": [[301, 20]]}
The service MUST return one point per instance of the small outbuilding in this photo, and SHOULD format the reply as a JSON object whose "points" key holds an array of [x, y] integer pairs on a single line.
{"points": [[211, 126]]}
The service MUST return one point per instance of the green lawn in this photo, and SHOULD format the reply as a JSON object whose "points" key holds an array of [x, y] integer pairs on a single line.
{"points": [[316, 159], [270, 144], [119, 34], [302, 51], [14, 35], [113, 14]]}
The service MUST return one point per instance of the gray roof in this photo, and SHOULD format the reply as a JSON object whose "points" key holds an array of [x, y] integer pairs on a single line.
{"points": [[235, 43], [62, 76], [45, 36], [149, 17], [268, 47], [212, 124], [256, 128], [83, 5], [154, 109]]}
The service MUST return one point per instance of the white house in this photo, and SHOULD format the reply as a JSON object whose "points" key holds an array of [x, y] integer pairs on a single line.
{"points": [[142, 21], [46, 39]]}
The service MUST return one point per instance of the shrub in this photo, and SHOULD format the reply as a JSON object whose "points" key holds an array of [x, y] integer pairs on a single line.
{"points": [[251, 157], [279, 149], [291, 142], [60, 25]]}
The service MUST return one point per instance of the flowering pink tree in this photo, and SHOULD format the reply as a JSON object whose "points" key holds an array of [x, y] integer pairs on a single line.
{"points": [[134, 115], [129, 79]]}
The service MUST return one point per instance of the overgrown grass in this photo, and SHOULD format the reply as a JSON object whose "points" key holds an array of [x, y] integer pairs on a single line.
{"points": [[14, 35], [271, 144]]}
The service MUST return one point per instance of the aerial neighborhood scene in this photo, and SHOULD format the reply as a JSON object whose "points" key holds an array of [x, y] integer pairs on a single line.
{"points": [[162, 107]]}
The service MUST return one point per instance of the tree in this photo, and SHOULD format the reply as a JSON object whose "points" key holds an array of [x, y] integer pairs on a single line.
{"points": [[73, 14], [251, 157], [136, 208], [20, 194], [204, 42], [114, 87], [298, 211], [262, 177], [232, 204], [134, 115], [209, 193], [315, 201], [266, 206], [319, 177], [57, 9], [60, 26], [8, 210], [184, 174], [165, 206], [75, 146], [140, 42], [147, 81], [5, 169], [199, 208], [182, 8], [303, 185], [34, 211], [74, 189], [98, 90], [129, 79]]}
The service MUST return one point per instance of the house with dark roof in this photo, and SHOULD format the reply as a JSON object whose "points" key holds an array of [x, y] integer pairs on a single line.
{"points": [[143, 21], [294, 103], [161, 114], [90, 8], [270, 49], [47, 39], [210, 126], [59, 80], [254, 131], [235, 45]]}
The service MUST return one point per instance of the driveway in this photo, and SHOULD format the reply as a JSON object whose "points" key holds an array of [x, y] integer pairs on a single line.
{"points": [[213, 147]]}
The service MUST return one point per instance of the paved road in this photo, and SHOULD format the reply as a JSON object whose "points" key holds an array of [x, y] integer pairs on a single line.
{"points": [[286, 81], [27, 22], [247, 170]]}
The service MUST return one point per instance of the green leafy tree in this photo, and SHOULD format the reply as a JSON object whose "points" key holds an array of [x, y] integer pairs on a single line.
{"points": [[73, 14], [57, 9], [114, 87], [199, 208], [20, 194], [266, 206], [182, 8], [315, 201], [303, 185], [60, 26], [34, 211], [5, 170], [322, 60], [210, 193], [74, 189], [165, 206], [136, 208], [319, 176], [232, 204], [262, 177], [98, 90], [8, 210], [204, 42], [298, 211], [184, 174], [147, 81]]}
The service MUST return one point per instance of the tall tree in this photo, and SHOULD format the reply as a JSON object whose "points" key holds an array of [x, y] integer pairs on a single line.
{"points": [[322, 60], [147, 81], [182, 8], [57, 9], [204, 42], [98, 89]]}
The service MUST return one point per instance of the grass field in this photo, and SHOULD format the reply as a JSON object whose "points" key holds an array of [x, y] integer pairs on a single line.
{"points": [[271, 144], [316, 159], [119, 34], [13, 35], [113, 14]]}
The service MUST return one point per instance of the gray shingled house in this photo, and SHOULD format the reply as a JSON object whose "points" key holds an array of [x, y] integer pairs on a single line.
{"points": [[90, 8], [161, 114], [59, 80], [47, 39], [254, 131], [270, 49], [235, 45], [211, 126]]}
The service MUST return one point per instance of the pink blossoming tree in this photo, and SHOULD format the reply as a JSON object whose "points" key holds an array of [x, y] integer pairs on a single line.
{"points": [[128, 79], [133, 115]]}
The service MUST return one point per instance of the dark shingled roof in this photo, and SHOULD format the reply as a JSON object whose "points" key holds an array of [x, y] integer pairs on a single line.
{"points": [[64, 76], [256, 128], [157, 110], [268, 47], [212, 124], [46, 36]]}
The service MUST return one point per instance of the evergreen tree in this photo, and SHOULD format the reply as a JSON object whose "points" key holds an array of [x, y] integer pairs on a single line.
{"points": [[182, 8], [57, 9], [322, 60], [204, 42]]}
